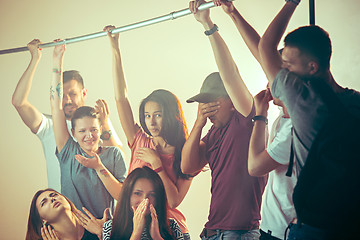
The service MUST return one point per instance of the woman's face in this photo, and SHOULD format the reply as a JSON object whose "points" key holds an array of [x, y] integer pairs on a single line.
{"points": [[87, 132], [50, 204], [143, 188], [153, 118]]}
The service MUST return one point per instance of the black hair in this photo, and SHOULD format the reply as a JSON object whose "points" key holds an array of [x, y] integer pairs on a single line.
{"points": [[312, 41], [174, 129], [84, 111], [73, 75]]}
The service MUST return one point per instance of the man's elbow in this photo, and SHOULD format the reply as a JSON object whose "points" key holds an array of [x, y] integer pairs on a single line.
{"points": [[252, 171], [185, 168], [16, 102], [253, 168]]}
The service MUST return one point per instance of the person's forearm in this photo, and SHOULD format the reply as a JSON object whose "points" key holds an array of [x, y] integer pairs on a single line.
{"points": [[112, 185], [191, 160], [56, 86], [111, 141], [121, 98], [120, 87], [172, 193], [23, 87], [277, 27], [247, 32], [223, 58], [234, 84], [257, 142], [28, 113], [61, 132]]}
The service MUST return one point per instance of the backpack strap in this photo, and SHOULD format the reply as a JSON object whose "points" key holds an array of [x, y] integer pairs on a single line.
{"points": [[291, 160]]}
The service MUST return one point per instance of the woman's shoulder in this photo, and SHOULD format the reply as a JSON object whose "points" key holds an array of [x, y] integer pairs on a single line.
{"points": [[174, 226]]}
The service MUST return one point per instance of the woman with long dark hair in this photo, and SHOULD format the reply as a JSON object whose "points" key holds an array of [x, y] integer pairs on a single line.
{"points": [[54, 216], [158, 141], [141, 212]]}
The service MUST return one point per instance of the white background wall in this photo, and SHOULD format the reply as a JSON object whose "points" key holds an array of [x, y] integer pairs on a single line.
{"points": [[174, 55]]}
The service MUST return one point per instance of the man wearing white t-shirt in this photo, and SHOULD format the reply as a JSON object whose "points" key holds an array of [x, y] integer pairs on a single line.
{"points": [[277, 210], [74, 95]]}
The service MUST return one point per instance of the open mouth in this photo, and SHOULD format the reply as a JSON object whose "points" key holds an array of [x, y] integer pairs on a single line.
{"points": [[56, 204]]}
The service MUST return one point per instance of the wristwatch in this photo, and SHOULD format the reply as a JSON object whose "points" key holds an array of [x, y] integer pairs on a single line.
{"points": [[106, 135], [261, 118], [212, 30]]}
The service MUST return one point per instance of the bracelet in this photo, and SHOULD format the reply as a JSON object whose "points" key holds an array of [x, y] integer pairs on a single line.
{"points": [[159, 169], [212, 30], [293, 1], [261, 118], [57, 71]]}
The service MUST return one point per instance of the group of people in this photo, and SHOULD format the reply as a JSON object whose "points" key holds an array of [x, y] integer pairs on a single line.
{"points": [[251, 197]]}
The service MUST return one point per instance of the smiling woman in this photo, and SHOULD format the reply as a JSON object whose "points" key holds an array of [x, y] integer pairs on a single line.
{"points": [[80, 157]]}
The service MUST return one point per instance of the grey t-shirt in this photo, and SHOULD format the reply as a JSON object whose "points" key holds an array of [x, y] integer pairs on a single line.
{"points": [[82, 185], [307, 110]]}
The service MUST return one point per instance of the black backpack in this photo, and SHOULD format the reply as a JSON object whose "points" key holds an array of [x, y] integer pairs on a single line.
{"points": [[327, 193]]}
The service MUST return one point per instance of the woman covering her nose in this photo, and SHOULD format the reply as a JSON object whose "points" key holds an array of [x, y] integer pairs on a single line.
{"points": [[141, 212], [158, 141]]}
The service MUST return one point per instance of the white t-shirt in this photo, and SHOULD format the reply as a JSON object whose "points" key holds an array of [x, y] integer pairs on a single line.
{"points": [[277, 209], [47, 138]]}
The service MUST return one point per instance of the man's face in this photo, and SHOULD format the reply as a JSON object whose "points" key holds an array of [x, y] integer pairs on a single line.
{"points": [[73, 98], [223, 114], [295, 62]]}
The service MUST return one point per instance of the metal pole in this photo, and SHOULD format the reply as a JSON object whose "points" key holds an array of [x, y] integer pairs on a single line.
{"points": [[170, 16], [312, 11]]}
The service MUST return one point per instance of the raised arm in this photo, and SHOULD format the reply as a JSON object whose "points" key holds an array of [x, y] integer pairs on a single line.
{"points": [[56, 97], [107, 130], [121, 96], [259, 161], [270, 58], [193, 153], [28, 113], [234, 85], [247, 32]]}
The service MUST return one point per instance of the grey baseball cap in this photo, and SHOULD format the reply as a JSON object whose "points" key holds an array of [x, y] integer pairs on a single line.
{"points": [[211, 89]]}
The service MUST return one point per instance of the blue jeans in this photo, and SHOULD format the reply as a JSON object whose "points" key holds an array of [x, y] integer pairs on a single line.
{"points": [[303, 231], [235, 235]]}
